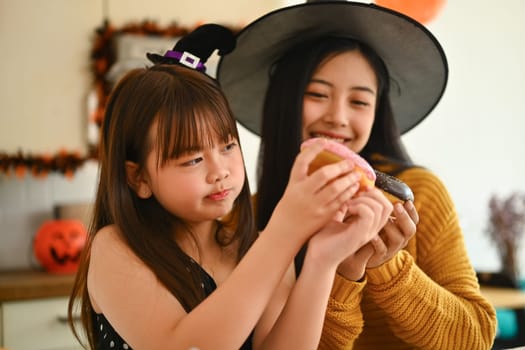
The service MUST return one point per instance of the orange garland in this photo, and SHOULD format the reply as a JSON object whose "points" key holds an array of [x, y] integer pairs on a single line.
{"points": [[40, 166]]}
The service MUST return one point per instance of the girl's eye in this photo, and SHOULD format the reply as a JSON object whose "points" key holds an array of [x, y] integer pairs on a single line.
{"points": [[230, 146], [192, 162]]}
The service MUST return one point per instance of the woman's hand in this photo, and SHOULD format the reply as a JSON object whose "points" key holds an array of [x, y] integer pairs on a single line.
{"points": [[395, 234], [393, 237], [353, 266], [366, 214]]}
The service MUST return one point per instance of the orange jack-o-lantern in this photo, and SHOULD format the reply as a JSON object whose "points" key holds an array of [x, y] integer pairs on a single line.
{"points": [[58, 245]]}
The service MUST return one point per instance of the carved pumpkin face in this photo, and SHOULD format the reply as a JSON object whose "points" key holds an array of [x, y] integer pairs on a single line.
{"points": [[58, 245]]}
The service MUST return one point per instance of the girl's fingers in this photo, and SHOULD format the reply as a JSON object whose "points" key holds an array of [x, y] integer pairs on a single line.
{"points": [[337, 192], [378, 203], [304, 158], [328, 174], [341, 213]]}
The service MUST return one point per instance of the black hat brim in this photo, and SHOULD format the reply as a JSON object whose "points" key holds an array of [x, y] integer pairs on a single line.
{"points": [[160, 59], [414, 58]]}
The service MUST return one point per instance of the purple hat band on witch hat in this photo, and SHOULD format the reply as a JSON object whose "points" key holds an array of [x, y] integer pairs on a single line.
{"points": [[187, 59]]}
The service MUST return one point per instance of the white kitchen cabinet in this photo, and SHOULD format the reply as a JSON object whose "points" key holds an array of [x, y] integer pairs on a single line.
{"points": [[36, 324]]}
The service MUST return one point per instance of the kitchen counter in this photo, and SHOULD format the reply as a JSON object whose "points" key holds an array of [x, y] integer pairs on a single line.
{"points": [[33, 284]]}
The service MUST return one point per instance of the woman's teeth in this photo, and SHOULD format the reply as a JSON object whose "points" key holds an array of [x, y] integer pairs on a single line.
{"points": [[336, 139]]}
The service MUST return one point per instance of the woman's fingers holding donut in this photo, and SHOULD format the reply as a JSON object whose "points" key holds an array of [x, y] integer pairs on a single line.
{"points": [[380, 248], [405, 220], [412, 211], [395, 235]]}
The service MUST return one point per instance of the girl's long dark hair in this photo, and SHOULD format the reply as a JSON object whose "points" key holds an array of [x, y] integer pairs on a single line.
{"points": [[281, 134], [190, 110]]}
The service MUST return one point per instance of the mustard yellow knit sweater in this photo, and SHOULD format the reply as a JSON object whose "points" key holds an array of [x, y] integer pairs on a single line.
{"points": [[426, 297]]}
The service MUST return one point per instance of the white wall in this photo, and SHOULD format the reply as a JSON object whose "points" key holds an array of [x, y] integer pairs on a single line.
{"points": [[473, 140]]}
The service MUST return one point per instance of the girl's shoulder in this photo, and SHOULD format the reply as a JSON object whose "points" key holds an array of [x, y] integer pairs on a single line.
{"points": [[110, 245], [129, 294], [110, 254], [110, 238]]}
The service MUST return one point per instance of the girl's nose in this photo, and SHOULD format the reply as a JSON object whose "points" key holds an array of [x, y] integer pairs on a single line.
{"points": [[217, 172]]}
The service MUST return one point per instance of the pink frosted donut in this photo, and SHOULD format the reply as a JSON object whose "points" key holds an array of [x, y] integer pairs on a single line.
{"points": [[335, 152]]}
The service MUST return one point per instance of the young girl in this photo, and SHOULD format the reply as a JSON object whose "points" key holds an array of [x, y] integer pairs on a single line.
{"points": [[162, 269], [362, 74]]}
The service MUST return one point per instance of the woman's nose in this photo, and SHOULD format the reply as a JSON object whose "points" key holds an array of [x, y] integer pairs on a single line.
{"points": [[337, 115]]}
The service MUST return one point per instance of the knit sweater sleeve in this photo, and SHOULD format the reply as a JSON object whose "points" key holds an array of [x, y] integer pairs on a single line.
{"points": [[344, 319], [431, 299]]}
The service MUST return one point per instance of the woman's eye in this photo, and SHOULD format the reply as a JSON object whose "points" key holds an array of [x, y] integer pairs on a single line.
{"points": [[314, 94], [359, 102]]}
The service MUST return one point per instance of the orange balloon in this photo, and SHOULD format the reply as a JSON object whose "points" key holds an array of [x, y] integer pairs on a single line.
{"points": [[422, 11]]}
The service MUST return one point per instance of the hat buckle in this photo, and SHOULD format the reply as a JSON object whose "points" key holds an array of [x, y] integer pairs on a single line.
{"points": [[189, 60]]}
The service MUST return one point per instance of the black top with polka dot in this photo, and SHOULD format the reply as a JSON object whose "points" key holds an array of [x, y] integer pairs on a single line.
{"points": [[109, 339]]}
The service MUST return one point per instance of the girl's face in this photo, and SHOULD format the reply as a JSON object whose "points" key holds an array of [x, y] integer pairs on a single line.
{"points": [[200, 185], [340, 100]]}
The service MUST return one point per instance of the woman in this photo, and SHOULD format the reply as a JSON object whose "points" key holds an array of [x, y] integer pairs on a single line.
{"points": [[363, 75]]}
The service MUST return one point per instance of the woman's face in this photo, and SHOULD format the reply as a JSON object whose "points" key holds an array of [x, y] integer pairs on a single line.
{"points": [[340, 100]]}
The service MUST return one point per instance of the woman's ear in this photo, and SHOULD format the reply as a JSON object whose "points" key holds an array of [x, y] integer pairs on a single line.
{"points": [[136, 180]]}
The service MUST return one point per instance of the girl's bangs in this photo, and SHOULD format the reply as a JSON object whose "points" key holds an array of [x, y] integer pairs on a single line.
{"points": [[184, 130]]}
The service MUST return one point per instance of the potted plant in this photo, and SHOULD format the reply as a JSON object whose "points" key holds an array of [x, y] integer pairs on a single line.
{"points": [[506, 228]]}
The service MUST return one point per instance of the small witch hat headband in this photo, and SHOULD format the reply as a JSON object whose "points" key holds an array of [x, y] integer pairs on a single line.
{"points": [[194, 49]]}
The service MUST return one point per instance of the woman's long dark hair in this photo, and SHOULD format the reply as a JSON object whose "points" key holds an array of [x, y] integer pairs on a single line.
{"points": [[191, 111], [281, 134]]}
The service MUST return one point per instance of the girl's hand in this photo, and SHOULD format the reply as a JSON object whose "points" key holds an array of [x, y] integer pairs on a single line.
{"points": [[395, 234], [340, 238], [310, 201]]}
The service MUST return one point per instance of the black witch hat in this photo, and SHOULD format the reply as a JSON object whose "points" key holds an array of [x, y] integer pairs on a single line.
{"points": [[412, 55], [194, 49]]}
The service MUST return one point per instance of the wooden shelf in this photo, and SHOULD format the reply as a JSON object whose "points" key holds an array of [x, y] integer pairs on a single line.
{"points": [[33, 284], [504, 297]]}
